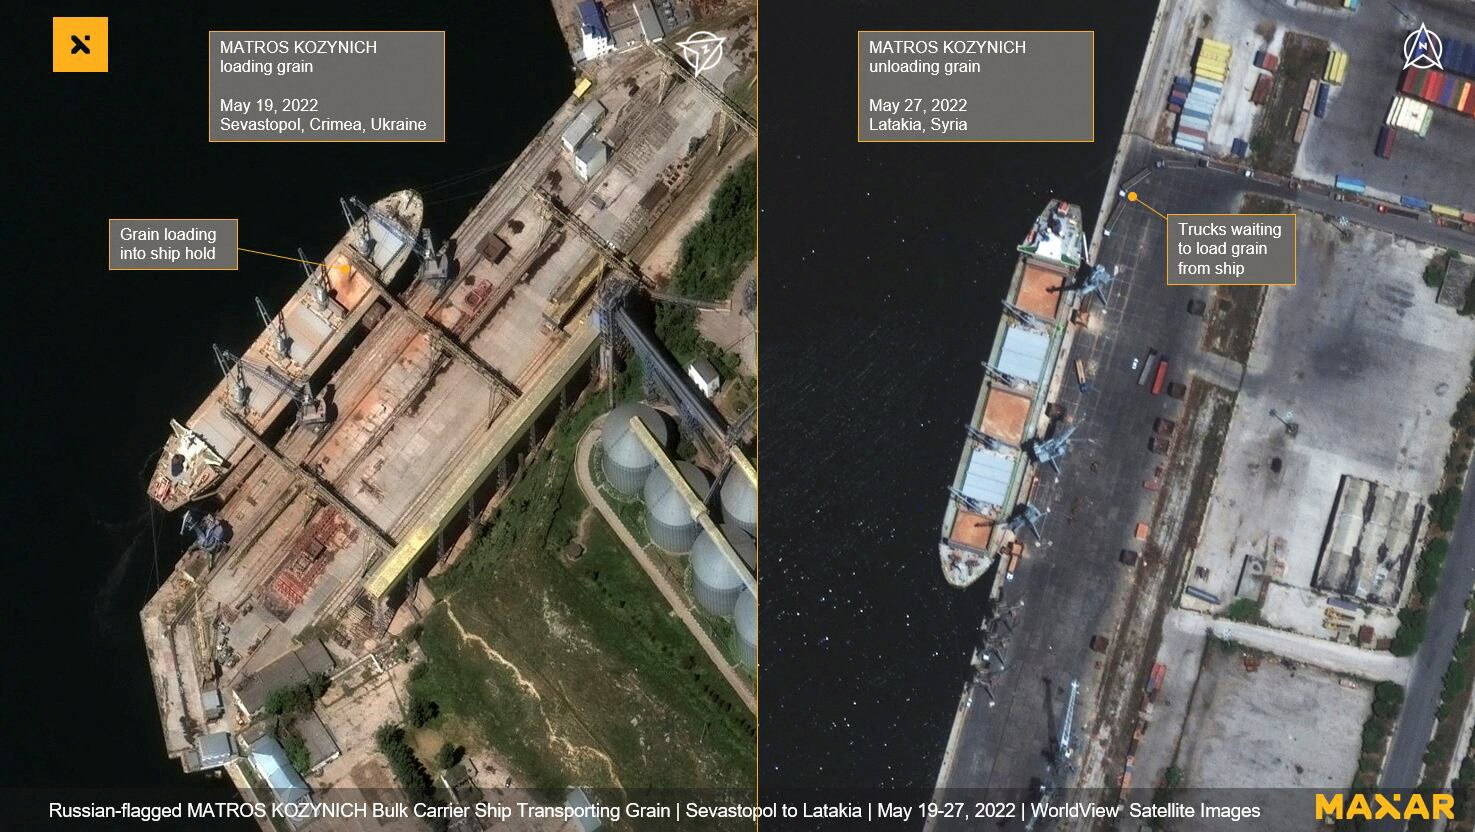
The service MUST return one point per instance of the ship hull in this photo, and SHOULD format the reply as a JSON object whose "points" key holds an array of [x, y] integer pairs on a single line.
{"points": [[995, 473], [200, 453]]}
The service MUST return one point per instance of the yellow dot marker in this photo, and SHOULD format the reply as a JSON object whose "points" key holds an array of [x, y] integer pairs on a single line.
{"points": [[1132, 197]]}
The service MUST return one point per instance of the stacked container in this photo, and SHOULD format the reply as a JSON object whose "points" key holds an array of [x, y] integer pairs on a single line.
{"points": [[1459, 57], [1209, 71], [1410, 114], [1336, 67], [1179, 94], [1446, 90]]}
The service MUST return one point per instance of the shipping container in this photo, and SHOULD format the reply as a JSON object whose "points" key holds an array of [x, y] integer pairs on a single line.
{"points": [[1322, 90], [1261, 93], [1161, 378], [1414, 202], [1301, 127], [1467, 216], [1240, 148], [1441, 88], [1385, 141], [1309, 100], [1444, 211], [1351, 184]]}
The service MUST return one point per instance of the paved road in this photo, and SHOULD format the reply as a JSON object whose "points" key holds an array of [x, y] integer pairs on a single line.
{"points": [[1183, 168], [1406, 754], [1340, 658]]}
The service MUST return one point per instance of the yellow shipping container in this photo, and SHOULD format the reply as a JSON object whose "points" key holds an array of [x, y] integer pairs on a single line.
{"points": [[582, 87], [1445, 211]]}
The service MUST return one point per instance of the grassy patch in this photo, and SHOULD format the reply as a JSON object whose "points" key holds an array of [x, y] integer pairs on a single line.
{"points": [[1302, 58], [594, 681], [1243, 609]]}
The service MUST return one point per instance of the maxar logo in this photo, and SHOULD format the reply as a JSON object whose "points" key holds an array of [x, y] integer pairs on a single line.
{"points": [[1438, 806]]}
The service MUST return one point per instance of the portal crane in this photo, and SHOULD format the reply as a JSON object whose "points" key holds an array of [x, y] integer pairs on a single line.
{"points": [[1049, 451], [1096, 281]]}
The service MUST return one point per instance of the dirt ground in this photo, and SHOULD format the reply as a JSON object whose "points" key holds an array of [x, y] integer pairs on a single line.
{"points": [[1292, 725]]}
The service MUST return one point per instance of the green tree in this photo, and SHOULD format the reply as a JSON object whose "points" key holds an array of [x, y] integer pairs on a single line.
{"points": [[448, 756], [421, 711]]}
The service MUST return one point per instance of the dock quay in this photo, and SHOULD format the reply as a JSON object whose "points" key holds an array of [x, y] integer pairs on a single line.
{"points": [[337, 466]]}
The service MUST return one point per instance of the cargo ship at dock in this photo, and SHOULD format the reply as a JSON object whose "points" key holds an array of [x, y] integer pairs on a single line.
{"points": [[988, 503], [274, 374]]}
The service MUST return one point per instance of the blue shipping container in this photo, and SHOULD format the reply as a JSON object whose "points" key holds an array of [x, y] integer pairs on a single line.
{"points": [[1348, 183], [1239, 148], [1322, 90], [1414, 202]]}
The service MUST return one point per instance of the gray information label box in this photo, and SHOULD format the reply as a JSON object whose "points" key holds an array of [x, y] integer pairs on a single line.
{"points": [[174, 245], [327, 86], [980, 86], [1231, 250]]}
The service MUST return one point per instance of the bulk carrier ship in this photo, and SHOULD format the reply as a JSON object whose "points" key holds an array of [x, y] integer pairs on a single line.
{"points": [[989, 495], [275, 372]]}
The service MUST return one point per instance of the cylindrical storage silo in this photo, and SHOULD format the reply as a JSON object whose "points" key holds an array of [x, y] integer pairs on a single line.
{"points": [[745, 622], [627, 462], [714, 581], [740, 501], [668, 516]]}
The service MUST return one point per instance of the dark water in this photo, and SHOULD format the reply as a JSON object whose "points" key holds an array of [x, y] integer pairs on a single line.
{"points": [[882, 269], [97, 362]]}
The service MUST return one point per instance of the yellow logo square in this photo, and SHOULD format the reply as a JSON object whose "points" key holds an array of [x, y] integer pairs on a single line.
{"points": [[79, 44]]}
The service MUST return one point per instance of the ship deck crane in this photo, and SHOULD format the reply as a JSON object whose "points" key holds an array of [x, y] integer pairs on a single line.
{"points": [[311, 410], [279, 330]]}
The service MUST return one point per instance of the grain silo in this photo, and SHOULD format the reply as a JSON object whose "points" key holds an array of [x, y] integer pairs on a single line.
{"points": [[627, 462], [668, 516], [714, 581], [745, 622], [740, 501]]}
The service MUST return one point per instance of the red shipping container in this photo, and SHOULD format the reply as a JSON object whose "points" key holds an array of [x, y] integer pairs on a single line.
{"points": [[1162, 377]]}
